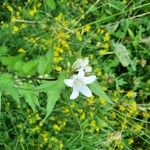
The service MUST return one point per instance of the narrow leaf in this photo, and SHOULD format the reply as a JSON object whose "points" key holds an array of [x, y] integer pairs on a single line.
{"points": [[122, 54], [97, 90]]}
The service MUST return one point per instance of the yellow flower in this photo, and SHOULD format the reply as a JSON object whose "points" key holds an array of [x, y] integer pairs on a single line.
{"points": [[10, 8], [146, 115], [130, 141], [87, 28], [21, 50], [66, 110], [56, 127], [90, 101], [13, 19], [122, 108], [113, 115], [82, 117], [93, 123], [98, 72], [106, 45], [131, 94], [132, 107], [32, 12], [138, 127], [106, 37], [58, 68], [103, 52], [78, 36], [102, 101], [61, 146], [15, 29], [36, 129]]}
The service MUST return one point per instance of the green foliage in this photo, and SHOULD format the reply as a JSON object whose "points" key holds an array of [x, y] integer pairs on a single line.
{"points": [[97, 90], [40, 41], [50, 4], [122, 54]]}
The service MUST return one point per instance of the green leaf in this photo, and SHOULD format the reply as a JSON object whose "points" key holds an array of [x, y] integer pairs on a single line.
{"points": [[32, 100], [122, 54], [112, 28], [53, 96], [97, 90], [50, 4], [45, 63], [29, 67], [3, 50], [42, 65], [52, 85], [131, 33], [31, 96], [7, 86], [10, 61]]}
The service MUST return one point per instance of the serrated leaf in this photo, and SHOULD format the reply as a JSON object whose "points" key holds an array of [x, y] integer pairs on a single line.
{"points": [[112, 28], [32, 100], [42, 65], [97, 90], [10, 61], [54, 93], [45, 63], [29, 67], [53, 96], [122, 54], [52, 85], [7, 85], [31, 96]]}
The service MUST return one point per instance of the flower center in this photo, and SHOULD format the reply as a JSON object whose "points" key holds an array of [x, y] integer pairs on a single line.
{"points": [[78, 82]]}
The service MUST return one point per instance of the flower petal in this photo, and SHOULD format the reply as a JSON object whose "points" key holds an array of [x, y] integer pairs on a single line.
{"points": [[69, 82], [75, 94], [85, 91], [85, 62], [88, 69], [80, 73], [89, 80], [76, 64]]}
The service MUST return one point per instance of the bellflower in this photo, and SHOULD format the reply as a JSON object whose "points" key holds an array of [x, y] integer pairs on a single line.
{"points": [[79, 84], [82, 65]]}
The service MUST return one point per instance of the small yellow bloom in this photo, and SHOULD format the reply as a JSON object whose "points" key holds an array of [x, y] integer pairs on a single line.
{"points": [[15, 29], [106, 45], [82, 117], [113, 115], [102, 101], [10, 8], [21, 50], [106, 37], [130, 94], [58, 68], [78, 36], [87, 28], [66, 110], [103, 52], [93, 123], [56, 127], [122, 108], [90, 101], [146, 115], [138, 127], [130, 141]]}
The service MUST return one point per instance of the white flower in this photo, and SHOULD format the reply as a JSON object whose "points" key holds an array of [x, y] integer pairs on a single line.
{"points": [[79, 84], [82, 64]]}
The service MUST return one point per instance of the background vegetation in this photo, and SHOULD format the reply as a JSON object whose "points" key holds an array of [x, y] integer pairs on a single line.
{"points": [[40, 40]]}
